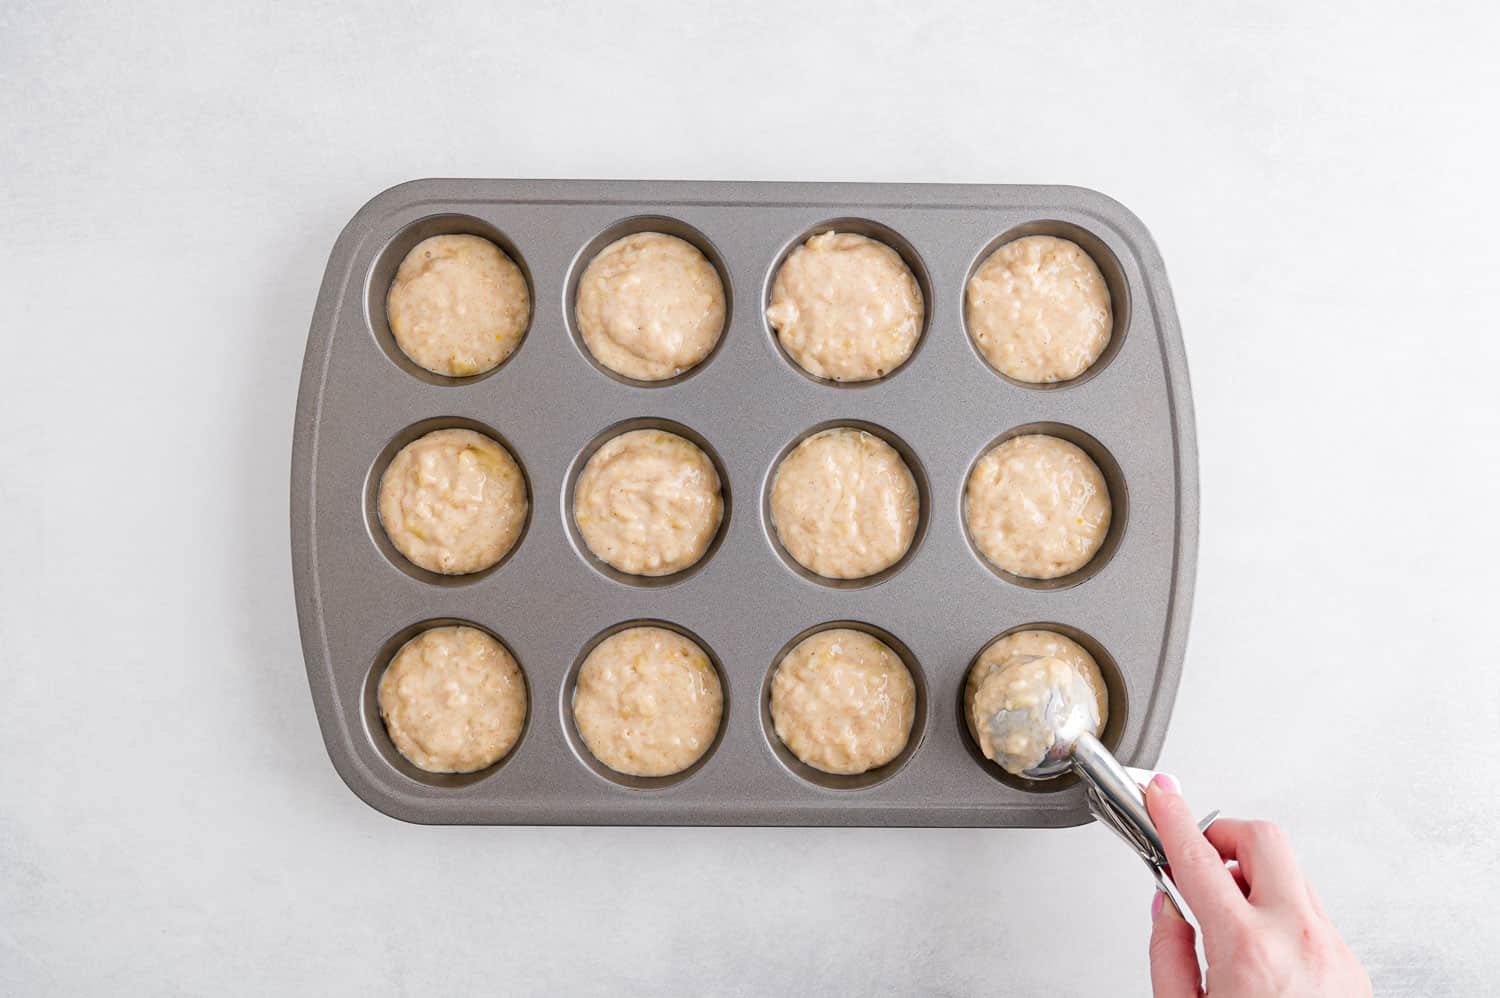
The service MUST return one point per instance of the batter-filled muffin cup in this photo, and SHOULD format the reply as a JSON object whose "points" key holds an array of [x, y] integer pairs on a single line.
{"points": [[1018, 673], [458, 305], [453, 700], [650, 306], [453, 501], [843, 701], [844, 504], [648, 503], [648, 702], [1039, 310], [846, 307], [1037, 507]]}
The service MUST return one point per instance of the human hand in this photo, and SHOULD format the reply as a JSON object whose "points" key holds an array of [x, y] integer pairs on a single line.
{"points": [[1264, 930]]}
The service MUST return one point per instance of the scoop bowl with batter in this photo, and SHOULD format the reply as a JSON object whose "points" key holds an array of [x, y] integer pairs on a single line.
{"points": [[1015, 674]]}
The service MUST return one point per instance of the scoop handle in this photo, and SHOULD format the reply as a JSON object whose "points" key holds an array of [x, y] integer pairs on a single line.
{"points": [[1118, 791], [1116, 800]]}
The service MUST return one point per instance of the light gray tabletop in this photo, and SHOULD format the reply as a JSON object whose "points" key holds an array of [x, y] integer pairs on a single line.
{"points": [[172, 177]]}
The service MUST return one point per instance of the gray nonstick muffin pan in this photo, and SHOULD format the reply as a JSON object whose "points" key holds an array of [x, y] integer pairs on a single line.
{"points": [[549, 601]]}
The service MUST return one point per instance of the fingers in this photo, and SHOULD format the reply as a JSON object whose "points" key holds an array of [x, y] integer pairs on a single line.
{"points": [[1174, 961], [1239, 880], [1265, 858], [1197, 869]]}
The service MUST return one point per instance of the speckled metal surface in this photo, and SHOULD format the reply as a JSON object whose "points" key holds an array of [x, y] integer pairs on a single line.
{"points": [[361, 400]]}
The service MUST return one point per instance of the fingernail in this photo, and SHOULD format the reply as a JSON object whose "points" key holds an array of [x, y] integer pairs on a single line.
{"points": [[1167, 783], [1156, 904]]}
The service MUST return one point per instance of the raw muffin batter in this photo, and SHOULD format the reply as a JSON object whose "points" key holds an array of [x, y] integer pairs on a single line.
{"points": [[1039, 310], [843, 701], [453, 700], [1037, 507], [1015, 673], [650, 306], [846, 307], [844, 504], [648, 702], [453, 501], [648, 503], [458, 305]]}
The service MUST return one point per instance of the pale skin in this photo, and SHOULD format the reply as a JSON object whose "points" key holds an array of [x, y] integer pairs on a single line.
{"points": [[1264, 930]]}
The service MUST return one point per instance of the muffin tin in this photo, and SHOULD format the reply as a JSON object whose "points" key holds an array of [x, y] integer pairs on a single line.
{"points": [[549, 601]]}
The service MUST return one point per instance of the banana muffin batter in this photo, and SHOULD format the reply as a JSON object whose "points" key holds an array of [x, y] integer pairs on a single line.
{"points": [[453, 700], [648, 702], [843, 701], [650, 306], [458, 305], [648, 503], [1016, 673], [1037, 507], [1039, 310], [844, 504], [453, 501], [846, 307]]}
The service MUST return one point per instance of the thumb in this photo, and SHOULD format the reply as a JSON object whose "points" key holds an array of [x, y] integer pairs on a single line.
{"points": [[1174, 960]]}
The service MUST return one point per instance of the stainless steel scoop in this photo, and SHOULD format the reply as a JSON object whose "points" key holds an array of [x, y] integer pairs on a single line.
{"points": [[1114, 791]]}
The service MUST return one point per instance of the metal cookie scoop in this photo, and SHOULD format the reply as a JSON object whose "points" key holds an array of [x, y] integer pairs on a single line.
{"points": [[1055, 736]]}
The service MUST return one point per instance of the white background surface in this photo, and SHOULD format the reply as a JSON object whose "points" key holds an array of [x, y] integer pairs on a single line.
{"points": [[1322, 185]]}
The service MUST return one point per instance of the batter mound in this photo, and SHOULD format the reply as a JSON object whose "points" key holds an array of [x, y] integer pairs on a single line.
{"points": [[844, 504], [453, 700], [846, 307], [648, 702], [648, 503], [843, 701], [650, 306], [1039, 310], [1037, 507], [453, 501], [458, 305], [1015, 673]]}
